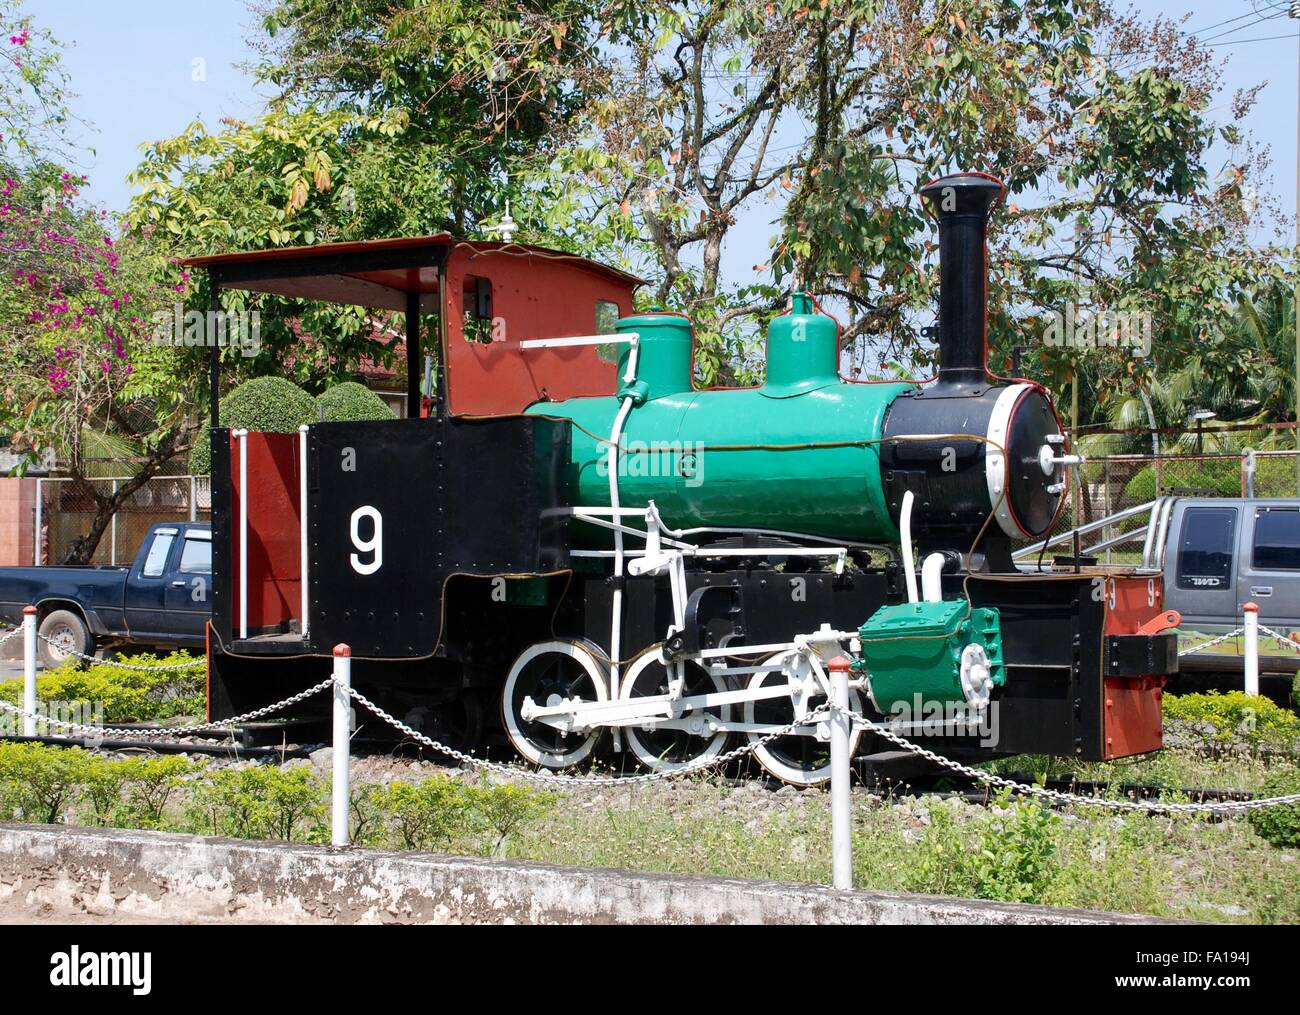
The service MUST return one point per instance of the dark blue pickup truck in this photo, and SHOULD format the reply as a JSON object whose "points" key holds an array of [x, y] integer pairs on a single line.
{"points": [[161, 600]]}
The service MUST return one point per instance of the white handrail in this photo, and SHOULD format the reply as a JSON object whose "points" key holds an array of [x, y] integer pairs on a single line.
{"points": [[302, 520], [242, 437]]}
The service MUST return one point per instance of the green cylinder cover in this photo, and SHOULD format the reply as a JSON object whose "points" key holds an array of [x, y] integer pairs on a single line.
{"points": [[793, 455], [802, 350], [664, 356], [912, 651]]}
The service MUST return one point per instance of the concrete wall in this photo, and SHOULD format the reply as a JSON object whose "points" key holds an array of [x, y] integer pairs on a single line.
{"points": [[17, 520], [58, 874]]}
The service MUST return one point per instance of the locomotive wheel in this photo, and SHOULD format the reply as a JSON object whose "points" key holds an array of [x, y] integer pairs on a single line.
{"points": [[798, 760], [668, 750], [550, 672]]}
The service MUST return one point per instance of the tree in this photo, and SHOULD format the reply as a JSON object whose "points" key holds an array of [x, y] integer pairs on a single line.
{"points": [[81, 372]]}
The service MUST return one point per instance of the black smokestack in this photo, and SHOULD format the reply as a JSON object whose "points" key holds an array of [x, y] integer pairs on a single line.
{"points": [[962, 203]]}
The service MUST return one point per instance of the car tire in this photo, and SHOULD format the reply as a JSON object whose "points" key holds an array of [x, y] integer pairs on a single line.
{"points": [[64, 636]]}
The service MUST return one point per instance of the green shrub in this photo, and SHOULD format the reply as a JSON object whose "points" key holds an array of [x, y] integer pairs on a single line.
{"points": [[1222, 478], [37, 782], [258, 802], [429, 814], [1279, 825], [101, 790], [1015, 859], [125, 695], [1224, 719], [264, 404], [149, 784], [505, 809], [1295, 692], [351, 401]]}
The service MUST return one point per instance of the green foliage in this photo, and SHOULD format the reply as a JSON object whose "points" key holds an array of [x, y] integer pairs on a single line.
{"points": [[38, 783], [1279, 825], [1221, 720], [125, 695], [102, 788], [1220, 479], [265, 405], [428, 814], [1011, 858], [506, 808], [258, 802], [1016, 855], [150, 784], [1295, 693], [351, 401]]}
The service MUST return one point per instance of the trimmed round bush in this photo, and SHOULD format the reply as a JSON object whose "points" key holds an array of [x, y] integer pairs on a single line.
{"points": [[351, 401], [1279, 825], [264, 404]]}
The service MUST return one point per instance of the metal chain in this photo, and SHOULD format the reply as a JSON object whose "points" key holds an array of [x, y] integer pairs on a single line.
{"points": [[988, 778], [1059, 796], [100, 731], [1210, 644], [587, 780], [121, 666], [1283, 641]]}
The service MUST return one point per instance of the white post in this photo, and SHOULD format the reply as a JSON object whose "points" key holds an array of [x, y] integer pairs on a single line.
{"points": [[342, 738], [194, 499], [29, 671], [302, 524], [243, 532], [112, 549], [1251, 635], [40, 521], [841, 814]]}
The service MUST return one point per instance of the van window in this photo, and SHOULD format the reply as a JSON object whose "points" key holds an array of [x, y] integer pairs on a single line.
{"points": [[1205, 548], [156, 560], [1277, 540]]}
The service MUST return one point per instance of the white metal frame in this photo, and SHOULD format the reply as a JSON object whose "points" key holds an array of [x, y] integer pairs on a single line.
{"points": [[242, 437], [302, 520]]}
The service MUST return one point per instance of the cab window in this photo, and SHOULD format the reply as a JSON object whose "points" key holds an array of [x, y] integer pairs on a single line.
{"points": [[1205, 548], [196, 556], [155, 562], [1277, 540]]}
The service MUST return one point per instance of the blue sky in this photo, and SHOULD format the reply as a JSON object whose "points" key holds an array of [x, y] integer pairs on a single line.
{"points": [[132, 66]]}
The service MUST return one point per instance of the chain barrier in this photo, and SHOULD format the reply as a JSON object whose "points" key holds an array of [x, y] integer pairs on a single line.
{"points": [[1060, 796], [483, 764], [100, 731], [815, 716], [1285, 642], [118, 665], [1212, 642]]}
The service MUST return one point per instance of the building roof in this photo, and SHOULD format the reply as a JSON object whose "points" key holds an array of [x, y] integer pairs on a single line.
{"points": [[370, 273]]}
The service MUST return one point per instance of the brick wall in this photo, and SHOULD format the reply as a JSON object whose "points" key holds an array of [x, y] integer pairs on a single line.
{"points": [[17, 520]]}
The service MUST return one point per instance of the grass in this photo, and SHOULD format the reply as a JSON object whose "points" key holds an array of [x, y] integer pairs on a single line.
{"points": [[1183, 867]]}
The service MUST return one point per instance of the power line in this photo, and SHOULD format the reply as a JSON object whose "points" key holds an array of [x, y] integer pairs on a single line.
{"points": [[1242, 42]]}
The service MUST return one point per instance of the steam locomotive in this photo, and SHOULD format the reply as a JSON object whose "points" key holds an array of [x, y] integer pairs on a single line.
{"points": [[576, 546]]}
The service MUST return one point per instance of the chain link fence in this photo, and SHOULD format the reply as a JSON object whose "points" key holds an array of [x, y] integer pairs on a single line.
{"points": [[66, 510], [1219, 467]]}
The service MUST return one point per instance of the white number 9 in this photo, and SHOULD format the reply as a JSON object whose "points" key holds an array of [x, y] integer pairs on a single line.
{"points": [[374, 545]]}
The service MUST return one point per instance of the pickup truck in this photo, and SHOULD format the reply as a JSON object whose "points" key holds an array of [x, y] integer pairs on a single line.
{"points": [[1217, 554], [161, 600]]}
